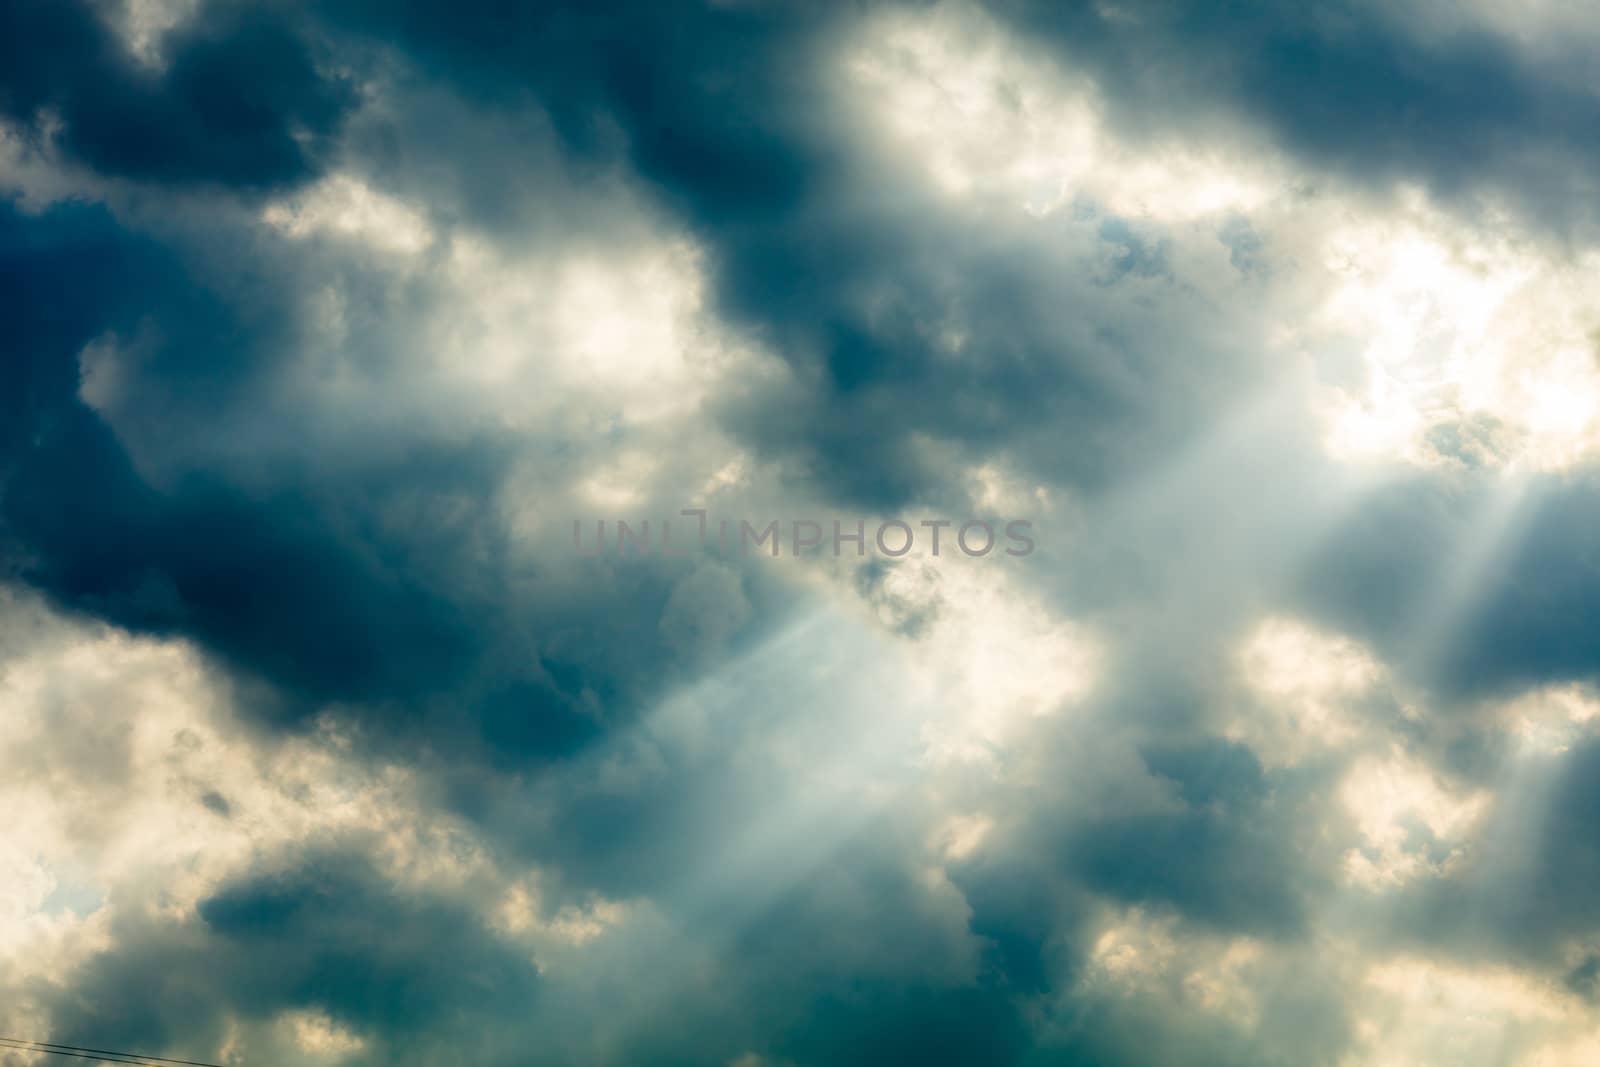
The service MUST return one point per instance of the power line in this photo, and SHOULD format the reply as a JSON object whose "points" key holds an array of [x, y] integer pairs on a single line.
{"points": [[98, 1054], [41, 1050]]}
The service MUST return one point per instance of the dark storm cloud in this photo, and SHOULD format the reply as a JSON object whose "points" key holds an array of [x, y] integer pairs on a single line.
{"points": [[240, 100], [1191, 827], [415, 973], [296, 583], [1237, 867], [1349, 87], [201, 559], [1524, 891], [1226, 856], [855, 961], [1469, 602], [293, 578], [905, 1023]]}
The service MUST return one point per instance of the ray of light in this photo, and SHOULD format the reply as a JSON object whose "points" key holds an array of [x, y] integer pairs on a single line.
{"points": [[1244, 508], [1462, 579], [832, 747]]}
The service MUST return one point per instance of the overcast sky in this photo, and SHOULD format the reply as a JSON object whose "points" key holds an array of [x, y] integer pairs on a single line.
{"points": [[1274, 325]]}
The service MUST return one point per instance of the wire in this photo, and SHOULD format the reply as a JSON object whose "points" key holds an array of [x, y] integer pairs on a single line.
{"points": [[42, 1050], [99, 1054]]}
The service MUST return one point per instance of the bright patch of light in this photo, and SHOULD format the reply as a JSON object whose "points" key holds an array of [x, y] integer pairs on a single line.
{"points": [[991, 656], [521, 913], [1387, 797], [144, 24], [1418, 1013], [346, 207], [960, 836], [1308, 684], [316, 1033], [1138, 954], [623, 330], [986, 119], [1457, 324], [1553, 719]]}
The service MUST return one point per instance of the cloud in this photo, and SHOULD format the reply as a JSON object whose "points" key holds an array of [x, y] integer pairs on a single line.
{"points": [[325, 322], [239, 100]]}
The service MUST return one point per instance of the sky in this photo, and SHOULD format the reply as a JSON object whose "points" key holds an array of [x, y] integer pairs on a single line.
{"points": [[1261, 339]]}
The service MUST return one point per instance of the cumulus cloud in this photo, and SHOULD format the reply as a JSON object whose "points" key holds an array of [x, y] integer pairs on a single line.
{"points": [[327, 322]]}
